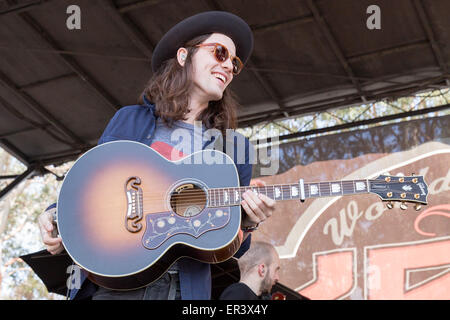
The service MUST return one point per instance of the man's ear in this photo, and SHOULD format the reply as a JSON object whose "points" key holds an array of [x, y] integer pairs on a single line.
{"points": [[262, 269], [182, 56]]}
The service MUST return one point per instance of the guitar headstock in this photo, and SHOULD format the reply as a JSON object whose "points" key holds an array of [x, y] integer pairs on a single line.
{"points": [[400, 188]]}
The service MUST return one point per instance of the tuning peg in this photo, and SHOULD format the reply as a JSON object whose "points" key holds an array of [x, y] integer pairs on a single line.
{"points": [[403, 206], [417, 207], [389, 205]]}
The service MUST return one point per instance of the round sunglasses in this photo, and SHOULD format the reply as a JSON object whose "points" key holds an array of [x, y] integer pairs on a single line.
{"points": [[221, 54]]}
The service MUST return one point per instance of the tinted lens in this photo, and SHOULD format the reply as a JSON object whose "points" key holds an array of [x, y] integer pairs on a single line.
{"points": [[237, 65], [221, 53]]}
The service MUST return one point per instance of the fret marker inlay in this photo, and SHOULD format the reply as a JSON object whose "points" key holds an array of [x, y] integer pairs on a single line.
{"points": [[314, 189], [335, 187], [277, 192], [360, 186]]}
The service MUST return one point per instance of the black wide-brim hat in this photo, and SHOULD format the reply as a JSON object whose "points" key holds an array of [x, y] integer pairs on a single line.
{"points": [[200, 24]]}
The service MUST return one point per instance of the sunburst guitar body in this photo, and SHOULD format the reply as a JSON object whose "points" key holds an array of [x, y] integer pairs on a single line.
{"points": [[125, 213]]}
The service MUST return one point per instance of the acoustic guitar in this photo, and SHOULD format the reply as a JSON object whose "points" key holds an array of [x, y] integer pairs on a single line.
{"points": [[126, 214]]}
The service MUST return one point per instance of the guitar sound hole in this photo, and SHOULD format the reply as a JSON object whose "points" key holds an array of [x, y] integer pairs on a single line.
{"points": [[188, 200]]}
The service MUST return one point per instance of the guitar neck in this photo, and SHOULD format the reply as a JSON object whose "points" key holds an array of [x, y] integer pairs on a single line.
{"points": [[219, 197]]}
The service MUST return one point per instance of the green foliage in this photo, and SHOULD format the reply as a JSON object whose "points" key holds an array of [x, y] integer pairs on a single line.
{"points": [[350, 114], [20, 233]]}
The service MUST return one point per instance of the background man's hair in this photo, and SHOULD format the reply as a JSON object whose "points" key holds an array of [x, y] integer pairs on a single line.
{"points": [[259, 252]]}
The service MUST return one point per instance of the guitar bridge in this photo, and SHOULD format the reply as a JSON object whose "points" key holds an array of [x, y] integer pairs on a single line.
{"points": [[134, 205]]}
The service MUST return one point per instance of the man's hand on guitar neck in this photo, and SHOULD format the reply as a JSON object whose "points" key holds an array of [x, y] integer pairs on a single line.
{"points": [[258, 207], [47, 227]]}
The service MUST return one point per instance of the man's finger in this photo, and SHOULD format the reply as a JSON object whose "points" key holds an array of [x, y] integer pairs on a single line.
{"points": [[46, 220], [55, 250], [268, 201], [254, 203], [252, 216], [49, 240]]}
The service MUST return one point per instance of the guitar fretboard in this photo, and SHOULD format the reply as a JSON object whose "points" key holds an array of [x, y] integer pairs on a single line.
{"points": [[220, 197]]}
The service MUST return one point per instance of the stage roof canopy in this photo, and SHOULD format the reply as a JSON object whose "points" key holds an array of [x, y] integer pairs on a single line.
{"points": [[59, 87]]}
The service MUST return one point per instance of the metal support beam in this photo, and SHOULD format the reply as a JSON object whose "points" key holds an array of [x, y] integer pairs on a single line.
{"points": [[34, 84], [91, 53], [357, 124], [15, 152], [335, 47], [129, 28], [36, 125], [70, 62], [293, 22], [343, 101], [430, 35], [16, 132], [268, 88], [22, 7], [40, 110], [419, 44], [30, 170], [57, 157], [138, 5], [10, 176]]}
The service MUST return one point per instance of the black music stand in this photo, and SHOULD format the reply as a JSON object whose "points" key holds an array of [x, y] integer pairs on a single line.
{"points": [[51, 269]]}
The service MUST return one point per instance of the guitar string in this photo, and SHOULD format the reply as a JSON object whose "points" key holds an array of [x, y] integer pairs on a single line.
{"points": [[284, 187], [213, 205], [234, 203], [201, 198], [264, 190], [200, 194], [213, 192], [193, 201]]}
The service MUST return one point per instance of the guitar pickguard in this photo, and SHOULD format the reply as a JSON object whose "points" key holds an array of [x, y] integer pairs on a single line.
{"points": [[162, 226]]}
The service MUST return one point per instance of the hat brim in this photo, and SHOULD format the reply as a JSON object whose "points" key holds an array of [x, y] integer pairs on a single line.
{"points": [[200, 24]]}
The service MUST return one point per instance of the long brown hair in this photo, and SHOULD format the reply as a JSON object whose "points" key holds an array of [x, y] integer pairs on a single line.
{"points": [[168, 89]]}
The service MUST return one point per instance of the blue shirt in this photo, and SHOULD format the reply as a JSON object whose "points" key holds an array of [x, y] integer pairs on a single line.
{"points": [[138, 123]]}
